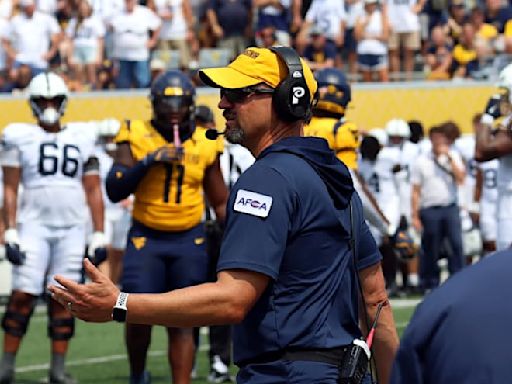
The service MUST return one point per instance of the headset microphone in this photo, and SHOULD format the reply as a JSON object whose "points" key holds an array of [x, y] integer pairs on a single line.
{"points": [[212, 134]]}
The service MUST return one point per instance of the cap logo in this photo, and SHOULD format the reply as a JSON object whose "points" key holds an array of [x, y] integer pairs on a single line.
{"points": [[298, 93], [297, 75], [252, 54]]}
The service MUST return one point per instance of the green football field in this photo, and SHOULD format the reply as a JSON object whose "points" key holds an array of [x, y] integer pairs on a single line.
{"points": [[97, 353]]}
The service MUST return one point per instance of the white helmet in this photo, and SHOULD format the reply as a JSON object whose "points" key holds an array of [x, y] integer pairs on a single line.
{"points": [[380, 135], [398, 127], [48, 85]]}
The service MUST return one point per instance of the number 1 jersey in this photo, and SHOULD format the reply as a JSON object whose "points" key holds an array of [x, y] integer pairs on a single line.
{"points": [[52, 166]]}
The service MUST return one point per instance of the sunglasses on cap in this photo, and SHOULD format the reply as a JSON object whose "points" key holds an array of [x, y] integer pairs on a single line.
{"points": [[237, 95]]}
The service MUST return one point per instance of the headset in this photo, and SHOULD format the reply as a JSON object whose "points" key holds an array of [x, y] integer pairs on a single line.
{"points": [[291, 98]]}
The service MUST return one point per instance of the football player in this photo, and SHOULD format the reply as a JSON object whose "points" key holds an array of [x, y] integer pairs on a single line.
{"points": [[328, 122], [168, 164], [497, 144], [55, 165]]}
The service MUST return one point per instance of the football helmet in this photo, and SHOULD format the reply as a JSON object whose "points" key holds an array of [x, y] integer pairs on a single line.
{"points": [[172, 97], [380, 135], [398, 128], [505, 88], [47, 87], [334, 93]]}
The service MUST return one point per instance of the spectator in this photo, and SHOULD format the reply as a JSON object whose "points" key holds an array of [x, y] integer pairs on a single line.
{"points": [[465, 56], [435, 178], [20, 83], [438, 60], [497, 14], [355, 9], [485, 34], [131, 29], [319, 53], [457, 17], [231, 23], [371, 33], [31, 38], [405, 33], [327, 15], [283, 15], [86, 34], [105, 76], [266, 37], [178, 28]]}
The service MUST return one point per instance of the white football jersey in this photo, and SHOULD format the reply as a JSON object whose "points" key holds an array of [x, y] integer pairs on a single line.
{"points": [[490, 181], [404, 155], [52, 167], [383, 183]]}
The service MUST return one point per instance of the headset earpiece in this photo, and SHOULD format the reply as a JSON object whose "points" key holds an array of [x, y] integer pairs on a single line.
{"points": [[291, 98]]}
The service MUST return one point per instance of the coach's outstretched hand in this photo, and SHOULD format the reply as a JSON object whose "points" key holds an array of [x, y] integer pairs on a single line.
{"points": [[93, 301]]}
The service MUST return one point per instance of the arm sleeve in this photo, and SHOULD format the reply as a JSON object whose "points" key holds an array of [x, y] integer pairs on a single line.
{"points": [[122, 181]]}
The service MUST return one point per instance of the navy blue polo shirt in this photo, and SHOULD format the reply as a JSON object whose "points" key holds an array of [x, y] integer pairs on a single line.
{"points": [[460, 332], [282, 222]]}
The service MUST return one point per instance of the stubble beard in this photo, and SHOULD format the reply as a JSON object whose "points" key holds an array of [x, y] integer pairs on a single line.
{"points": [[235, 135]]}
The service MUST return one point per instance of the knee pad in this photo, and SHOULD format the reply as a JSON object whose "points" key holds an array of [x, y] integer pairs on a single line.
{"points": [[14, 322], [61, 328]]}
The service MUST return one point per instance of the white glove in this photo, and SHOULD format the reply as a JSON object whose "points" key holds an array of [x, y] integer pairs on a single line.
{"points": [[98, 240], [11, 237]]}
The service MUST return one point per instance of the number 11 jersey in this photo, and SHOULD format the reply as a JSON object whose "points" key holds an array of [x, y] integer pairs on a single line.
{"points": [[170, 196]]}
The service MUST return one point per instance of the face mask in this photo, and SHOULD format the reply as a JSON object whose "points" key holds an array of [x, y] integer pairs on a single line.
{"points": [[50, 116]]}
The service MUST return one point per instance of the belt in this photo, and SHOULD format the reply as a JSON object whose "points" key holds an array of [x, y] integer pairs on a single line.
{"points": [[332, 356]]}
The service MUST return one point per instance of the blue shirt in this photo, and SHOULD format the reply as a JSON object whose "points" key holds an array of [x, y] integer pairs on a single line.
{"points": [[302, 244], [460, 332]]}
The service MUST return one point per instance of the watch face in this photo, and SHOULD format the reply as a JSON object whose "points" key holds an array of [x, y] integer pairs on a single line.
{"points": [[119, 314]]}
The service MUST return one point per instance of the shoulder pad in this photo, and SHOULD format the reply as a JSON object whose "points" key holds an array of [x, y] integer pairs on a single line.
{"points": [[16, 133]]}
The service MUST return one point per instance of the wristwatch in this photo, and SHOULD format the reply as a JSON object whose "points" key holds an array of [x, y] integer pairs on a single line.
{"points": [[120, 310]]}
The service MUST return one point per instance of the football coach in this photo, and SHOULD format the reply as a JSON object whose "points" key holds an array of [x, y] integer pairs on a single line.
{"points": [[297, 259]]}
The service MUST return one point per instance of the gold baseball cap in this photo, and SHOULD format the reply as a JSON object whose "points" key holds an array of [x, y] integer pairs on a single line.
{"points": [[251, 67]]}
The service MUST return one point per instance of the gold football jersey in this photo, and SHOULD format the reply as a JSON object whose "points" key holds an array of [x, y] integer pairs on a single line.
{"points": [[170, 196], [342, 137]]}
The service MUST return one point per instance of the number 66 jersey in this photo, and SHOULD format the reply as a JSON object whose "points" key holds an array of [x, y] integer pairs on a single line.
{"points": [[52, 166]]}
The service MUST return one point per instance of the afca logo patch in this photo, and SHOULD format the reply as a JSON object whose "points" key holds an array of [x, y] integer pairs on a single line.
{"points": [[252, 203]]}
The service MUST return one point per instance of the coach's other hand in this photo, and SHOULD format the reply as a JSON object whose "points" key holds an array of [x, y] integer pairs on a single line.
{"points": [[91, 302]]}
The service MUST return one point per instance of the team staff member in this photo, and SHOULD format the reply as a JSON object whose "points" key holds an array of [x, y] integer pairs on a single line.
{"points": [[456, 334], [167, 163], [286, 275], [435, 178]]}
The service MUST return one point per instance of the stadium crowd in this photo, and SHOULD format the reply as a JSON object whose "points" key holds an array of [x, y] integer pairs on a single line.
{"points": [[99, 45]]}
